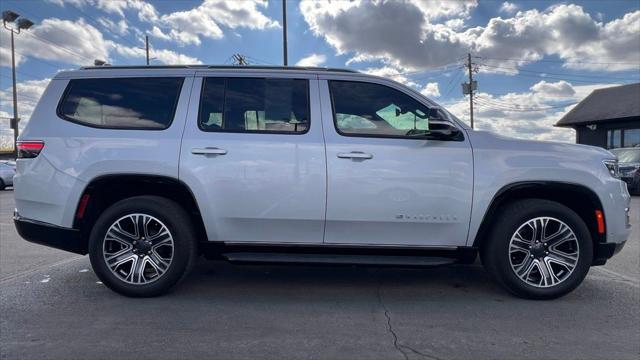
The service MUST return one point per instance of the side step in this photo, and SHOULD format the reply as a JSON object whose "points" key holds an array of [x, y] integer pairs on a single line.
{"points": [[338, 259]]}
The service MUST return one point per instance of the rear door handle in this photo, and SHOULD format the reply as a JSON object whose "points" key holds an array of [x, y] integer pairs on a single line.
{"points": [[208, 151], [355, 155]]}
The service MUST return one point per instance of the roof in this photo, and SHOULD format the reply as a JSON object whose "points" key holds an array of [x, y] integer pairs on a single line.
{"points": [[602, 105], [190, 70], [223, 67]]}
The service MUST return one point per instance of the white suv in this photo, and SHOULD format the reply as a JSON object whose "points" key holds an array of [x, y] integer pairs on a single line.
{"points": [[144, 168]]}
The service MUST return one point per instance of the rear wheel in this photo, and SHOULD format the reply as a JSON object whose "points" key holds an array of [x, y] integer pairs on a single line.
{"points": [[2, 185], [538, 249], [142, 246]]}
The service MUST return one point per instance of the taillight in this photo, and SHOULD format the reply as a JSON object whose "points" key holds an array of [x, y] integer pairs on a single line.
{"points": [[29, 149]]}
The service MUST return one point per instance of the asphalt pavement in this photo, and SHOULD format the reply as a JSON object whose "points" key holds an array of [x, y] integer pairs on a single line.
{"points": [[52, 306]]}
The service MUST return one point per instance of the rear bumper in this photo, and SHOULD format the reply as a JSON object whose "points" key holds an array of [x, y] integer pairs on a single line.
{"points": [[50, 235], [604, 251]]}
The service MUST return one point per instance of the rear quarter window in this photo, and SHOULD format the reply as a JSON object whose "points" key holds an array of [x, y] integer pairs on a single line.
{"points": [[121, 103]]}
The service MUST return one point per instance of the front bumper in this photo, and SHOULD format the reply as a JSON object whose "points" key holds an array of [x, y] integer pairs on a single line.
{"points": [[633, 183], [50, 235], [604, 251]]}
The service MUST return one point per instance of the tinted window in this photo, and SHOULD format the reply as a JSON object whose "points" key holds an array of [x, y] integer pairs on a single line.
{"points": [[627, 155], [122, 103], [614, 139], [631, 137], [254, 105], [377, 110]]}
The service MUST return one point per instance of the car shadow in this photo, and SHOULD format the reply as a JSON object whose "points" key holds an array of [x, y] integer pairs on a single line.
{"points": [[299, 281]]}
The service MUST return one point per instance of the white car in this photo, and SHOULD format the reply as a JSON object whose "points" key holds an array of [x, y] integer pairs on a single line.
{"points": [[144, 168], [7, 170]]}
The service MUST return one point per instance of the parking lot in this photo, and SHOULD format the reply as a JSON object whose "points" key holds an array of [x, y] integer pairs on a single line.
{"points": [[53, 306]]}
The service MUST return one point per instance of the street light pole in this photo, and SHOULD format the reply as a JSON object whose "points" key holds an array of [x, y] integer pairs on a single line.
{"points": [[9, 16], [284, 33], [14, 121]]}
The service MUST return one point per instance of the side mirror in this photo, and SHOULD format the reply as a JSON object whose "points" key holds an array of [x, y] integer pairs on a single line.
{"points": [[444, 131]]}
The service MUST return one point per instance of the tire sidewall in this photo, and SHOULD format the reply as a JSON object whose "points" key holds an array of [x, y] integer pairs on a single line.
{"points": [[176, 222], [512, 219]]}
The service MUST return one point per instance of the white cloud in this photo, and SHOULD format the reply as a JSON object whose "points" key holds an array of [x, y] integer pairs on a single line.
{"points": [[393, 74], [72, 42], [560, 88], [431, 90], [508, 7], [146, 11], [312, 60], [421, 35], [156, 32], [163, 56], [78, 43], [207, 20], [29, 93], [188, 27], [119, 27], [509, 114]]}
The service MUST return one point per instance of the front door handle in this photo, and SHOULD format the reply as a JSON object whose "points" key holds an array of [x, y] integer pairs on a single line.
{"points": [[355, 155], [208, 151]]}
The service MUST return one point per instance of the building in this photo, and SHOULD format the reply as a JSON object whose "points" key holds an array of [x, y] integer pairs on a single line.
{"points": [[609, 118]]}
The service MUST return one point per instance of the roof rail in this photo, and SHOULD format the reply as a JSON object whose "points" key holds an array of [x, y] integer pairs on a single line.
{"points": [[235, 67]]}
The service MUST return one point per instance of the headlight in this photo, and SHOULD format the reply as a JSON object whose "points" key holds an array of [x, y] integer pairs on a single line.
{"points": [[612, 166], [629, 171]]}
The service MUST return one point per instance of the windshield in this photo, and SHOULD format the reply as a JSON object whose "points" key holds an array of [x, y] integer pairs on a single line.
{"points": [[627, 155]]}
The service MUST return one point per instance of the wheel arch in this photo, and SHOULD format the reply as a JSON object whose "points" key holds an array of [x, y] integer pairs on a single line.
{"points": [[579, 198], [104, 191]]}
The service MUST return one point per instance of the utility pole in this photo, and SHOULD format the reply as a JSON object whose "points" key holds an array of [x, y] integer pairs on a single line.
{"points": [[284, 32], [468, 88], [146, 42], [9, 16]]}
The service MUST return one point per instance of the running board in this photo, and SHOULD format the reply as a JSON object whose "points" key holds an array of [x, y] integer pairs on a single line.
{"points": [[337, 259]]}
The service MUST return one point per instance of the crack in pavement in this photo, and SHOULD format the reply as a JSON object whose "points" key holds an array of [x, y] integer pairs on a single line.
{"points": [[396, 342]]}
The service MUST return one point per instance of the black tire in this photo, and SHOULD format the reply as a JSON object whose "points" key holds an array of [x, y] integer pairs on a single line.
{"points": [[2, 185], [176, 221], [496, 256]]}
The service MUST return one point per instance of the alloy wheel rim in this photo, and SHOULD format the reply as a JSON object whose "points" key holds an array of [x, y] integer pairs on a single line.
{"points": [[138, 249], [544, 252]]}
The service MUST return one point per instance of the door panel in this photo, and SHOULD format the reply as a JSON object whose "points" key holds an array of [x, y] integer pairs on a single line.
{"points": [[257, 186], [395, 191]]}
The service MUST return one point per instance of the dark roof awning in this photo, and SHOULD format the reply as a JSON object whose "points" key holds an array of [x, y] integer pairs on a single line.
{"points": [[602, 105]]}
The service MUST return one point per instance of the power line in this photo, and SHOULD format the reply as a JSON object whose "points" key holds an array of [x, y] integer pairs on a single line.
{"points": [[501, 102], [552, 77], [562, 61], [258, 61], [484, 103], [452, 84], [54, 43], [39, 60], [560, 74], [442, 67], [58, 45]]}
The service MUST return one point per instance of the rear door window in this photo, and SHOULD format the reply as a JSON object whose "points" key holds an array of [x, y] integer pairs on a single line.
{"points": [[250, 105], [122, 103]]}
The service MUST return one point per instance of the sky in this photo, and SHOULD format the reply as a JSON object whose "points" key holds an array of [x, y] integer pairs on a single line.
{"points": [[533, 60]]}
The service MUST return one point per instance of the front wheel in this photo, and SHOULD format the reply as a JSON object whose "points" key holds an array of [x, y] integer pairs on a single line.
{"points": [[538, 249], [142, 246]]}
